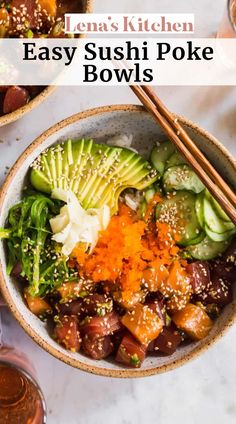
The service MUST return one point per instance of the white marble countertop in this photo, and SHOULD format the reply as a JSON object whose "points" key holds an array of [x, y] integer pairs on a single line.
{"points": [[201, 391]]}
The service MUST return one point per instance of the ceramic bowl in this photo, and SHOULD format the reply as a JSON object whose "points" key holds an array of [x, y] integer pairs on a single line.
{"points": [[13, 116], [101, 124]]}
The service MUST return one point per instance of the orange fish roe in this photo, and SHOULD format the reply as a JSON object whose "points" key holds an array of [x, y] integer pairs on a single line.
{"points": [[125, 249]]}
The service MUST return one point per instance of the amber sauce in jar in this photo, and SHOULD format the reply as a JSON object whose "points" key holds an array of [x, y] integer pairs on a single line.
{"points": [[20, 397]]}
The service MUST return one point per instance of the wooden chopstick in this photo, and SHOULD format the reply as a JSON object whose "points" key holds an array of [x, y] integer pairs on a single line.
{"points": [[208, 175], [183, 135]]}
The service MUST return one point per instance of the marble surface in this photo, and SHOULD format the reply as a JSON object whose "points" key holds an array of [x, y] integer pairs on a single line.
{"points": [[201, 391]]}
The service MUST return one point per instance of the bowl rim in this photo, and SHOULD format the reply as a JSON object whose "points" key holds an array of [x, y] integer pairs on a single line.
{"points": [[76, 363], [18, 113]]}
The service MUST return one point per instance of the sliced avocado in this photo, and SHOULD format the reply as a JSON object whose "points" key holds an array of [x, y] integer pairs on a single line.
{"points": [[47, 169], [58, 158], [96, 173], [84, 168], [69, 152], [40, 182], [106, 184], [51, 160], [76, 152], [103, 161], [130, 167], [66, 155]]}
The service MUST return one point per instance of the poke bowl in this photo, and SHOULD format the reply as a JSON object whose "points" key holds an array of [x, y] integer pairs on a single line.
{"points": [[138, 295], [28, 19]]}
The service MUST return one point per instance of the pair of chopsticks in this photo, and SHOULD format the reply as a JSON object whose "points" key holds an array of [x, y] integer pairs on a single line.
{"points": [[182, 141]]}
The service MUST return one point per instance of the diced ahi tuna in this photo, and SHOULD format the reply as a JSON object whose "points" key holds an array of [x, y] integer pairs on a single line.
{"points": [[96, 304], [224, 269], [4, 26], [177, 302], [24, 13], [158, 307], [50, 6], [199, 273], [97, 348], [37, 305], [144, 324], [129, 299], [3, 88], [167, 342], [131, 352], [229, 255], [154, 277], [66, 333], [70, 290], [177, 282], [71, 307], [97, 327], [194, 321], [218, 291], [15, 98]]}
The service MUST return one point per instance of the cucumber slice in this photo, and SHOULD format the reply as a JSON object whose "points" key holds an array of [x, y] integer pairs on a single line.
{"points": [[181, 177], [160, 154], [143, 208], [219, 236], [178, 211], [149, 194], [220, 211], [199, 208], [175, 159], [217, 207], [208, 249], [213, 221], [197, 240]]}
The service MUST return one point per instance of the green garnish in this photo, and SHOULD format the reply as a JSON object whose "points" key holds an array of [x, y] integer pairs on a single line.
{"points": [[85, 321], [168, 319], [4, 233], [7, 6], [134, 360], [104, 308], [29, 243], [73, 296], [29, 34], [56, 319]]}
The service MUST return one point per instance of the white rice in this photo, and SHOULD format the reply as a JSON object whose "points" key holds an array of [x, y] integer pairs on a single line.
{"points": [[122, 140]]}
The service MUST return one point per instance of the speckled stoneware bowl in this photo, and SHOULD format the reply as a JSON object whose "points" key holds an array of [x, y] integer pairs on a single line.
{"points": [[13, 116], [101, 124]]}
